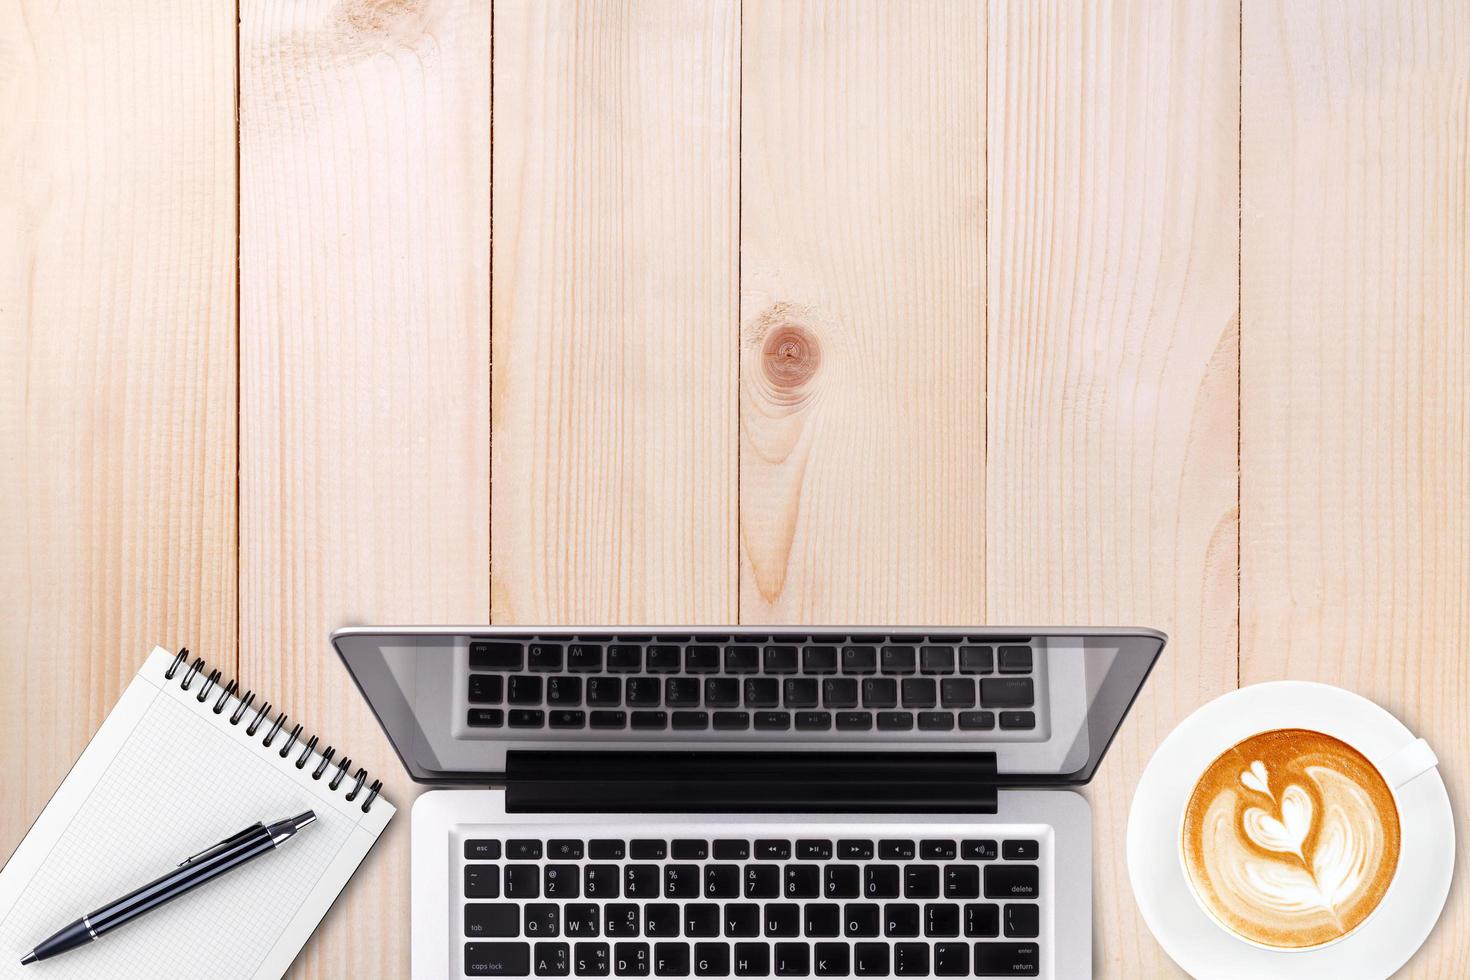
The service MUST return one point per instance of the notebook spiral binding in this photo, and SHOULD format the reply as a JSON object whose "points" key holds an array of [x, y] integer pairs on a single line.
{"points": [[262, 715]]}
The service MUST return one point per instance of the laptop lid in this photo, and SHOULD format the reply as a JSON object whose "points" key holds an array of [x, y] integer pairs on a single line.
{"points": [[1083, 681]]}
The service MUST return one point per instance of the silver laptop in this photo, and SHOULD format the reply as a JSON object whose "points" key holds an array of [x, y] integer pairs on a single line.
{"points": [[750, 802]]}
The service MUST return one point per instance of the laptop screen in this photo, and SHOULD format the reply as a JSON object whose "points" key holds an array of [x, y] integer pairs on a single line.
{"points": [[455, 700]]}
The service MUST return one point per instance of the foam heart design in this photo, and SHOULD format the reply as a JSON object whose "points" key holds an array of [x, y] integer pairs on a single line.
{"points": [[1287, 833], [1256, 778]]}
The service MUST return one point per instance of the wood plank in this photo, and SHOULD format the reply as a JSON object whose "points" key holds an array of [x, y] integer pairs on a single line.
{"points": [[1356, 369], [364, 374], [1113, 362], [117, 365], [862, 475], [614, 312]]}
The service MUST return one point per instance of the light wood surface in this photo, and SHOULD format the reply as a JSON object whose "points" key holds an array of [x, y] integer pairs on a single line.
{"points": [[1142, 312]]}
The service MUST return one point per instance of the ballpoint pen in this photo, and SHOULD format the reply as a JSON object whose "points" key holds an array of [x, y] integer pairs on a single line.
{"points": [[192, 872]]}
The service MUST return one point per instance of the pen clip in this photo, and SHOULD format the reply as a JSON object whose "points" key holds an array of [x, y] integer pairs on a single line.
{"points": [[253, 828]]}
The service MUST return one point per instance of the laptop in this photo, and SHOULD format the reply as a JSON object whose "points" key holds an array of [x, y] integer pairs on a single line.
{"points": [[753, 801]]}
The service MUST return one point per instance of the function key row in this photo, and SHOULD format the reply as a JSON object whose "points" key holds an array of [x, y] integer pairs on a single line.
{"points": [[741, 658], [728, 849]]}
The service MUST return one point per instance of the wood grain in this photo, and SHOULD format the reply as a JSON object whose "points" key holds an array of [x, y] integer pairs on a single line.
{"points": [[117, 365], [1355, 460], [614, 312], [1111, 471], [862, 477], [364, 374]]}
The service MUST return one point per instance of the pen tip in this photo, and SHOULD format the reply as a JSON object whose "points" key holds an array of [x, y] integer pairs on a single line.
{"points": [[301, 821], [28, 958]]}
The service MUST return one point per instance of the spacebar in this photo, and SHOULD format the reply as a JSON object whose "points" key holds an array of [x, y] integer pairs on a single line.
{"points": [[497, 959]]}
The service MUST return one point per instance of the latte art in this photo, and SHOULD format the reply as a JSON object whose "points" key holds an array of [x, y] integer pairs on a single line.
{"points": [[1291, 838]]}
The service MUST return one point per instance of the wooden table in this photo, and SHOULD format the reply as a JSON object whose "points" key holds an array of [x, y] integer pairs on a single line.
{"points": [[784, 311]]}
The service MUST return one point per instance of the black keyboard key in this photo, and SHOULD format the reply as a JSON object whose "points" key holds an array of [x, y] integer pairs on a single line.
{"points": [[592, 959], [722, 881], [900, 919], [497, 959], [870, 959], [961, 881], [1007, 692], [831, 959], [522, 881], [630, 959], [488, 920], [792, 960], [702, 659], [951, 959], [977, 721], [561, 881], [1023, 920], [681, 692], [742, 660], [1015, 660], [921, 881], [731, 721], [957, 692], [583, 658], [568, 718], [527, 718], [609, 719], [544, 657], [640, 880], [978, 850], [802, 881], [721, 692], [859, 660], [524, 689], [854, 850], [732, 850], [661, 919], [898, 660], [711, 959], [895, 721], [936, 721], [552, 959], [681, 881], [482, 850], [813, 850], [650, 720], [1007, 960], [813, 721], [880, 881], [1020, 850], [701, 920], [606, 692], [880, 692], [624, 658], [977, 660], [606, 850], [819, 660], [936, 660], [911, 960], [937, 850], [762, 692], [839, 692], [772, 721], [841, 881], [649, 849], [486, 688], [919, 692], [780, 659], [671, 959], [542, 919], [941, 920], [601, 881], [762, 881], [663, 659], [1014, 721], [486, 717], [896, 850], [688, 721], [861, 921], [492, 655], [564, 690], [854, 721], [742, 921], [773, 850], [520, 849], [782, 919], [620, 920], [644, 692], [752, 960], [800, 692], [982, 921], [1012, 881], [821, 920]]}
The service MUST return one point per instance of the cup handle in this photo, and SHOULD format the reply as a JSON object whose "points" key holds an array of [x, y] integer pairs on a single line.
{"points": [[1412, 760]]}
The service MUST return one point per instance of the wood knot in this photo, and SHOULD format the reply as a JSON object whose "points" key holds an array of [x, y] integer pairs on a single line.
{"points": [[790, 356]]}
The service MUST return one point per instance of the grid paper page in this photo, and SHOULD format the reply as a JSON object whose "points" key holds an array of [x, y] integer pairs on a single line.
{"points": [[163, 779]]}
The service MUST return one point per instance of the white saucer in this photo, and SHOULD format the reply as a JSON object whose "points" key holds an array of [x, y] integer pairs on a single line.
{"points": [[1413, 902]]}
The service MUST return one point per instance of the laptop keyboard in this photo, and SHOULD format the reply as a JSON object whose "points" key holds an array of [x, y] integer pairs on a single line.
{"points": [[808, 684], [781, 905]]}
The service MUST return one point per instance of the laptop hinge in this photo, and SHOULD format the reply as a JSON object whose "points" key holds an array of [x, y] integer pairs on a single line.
{"points": [[750, 782]]}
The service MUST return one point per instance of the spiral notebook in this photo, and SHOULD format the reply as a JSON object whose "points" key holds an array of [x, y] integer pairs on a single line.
{"points": [[183, 761]]}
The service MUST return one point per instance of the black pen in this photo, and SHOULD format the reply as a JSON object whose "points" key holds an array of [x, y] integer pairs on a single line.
{"points": [[192, 872]]}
